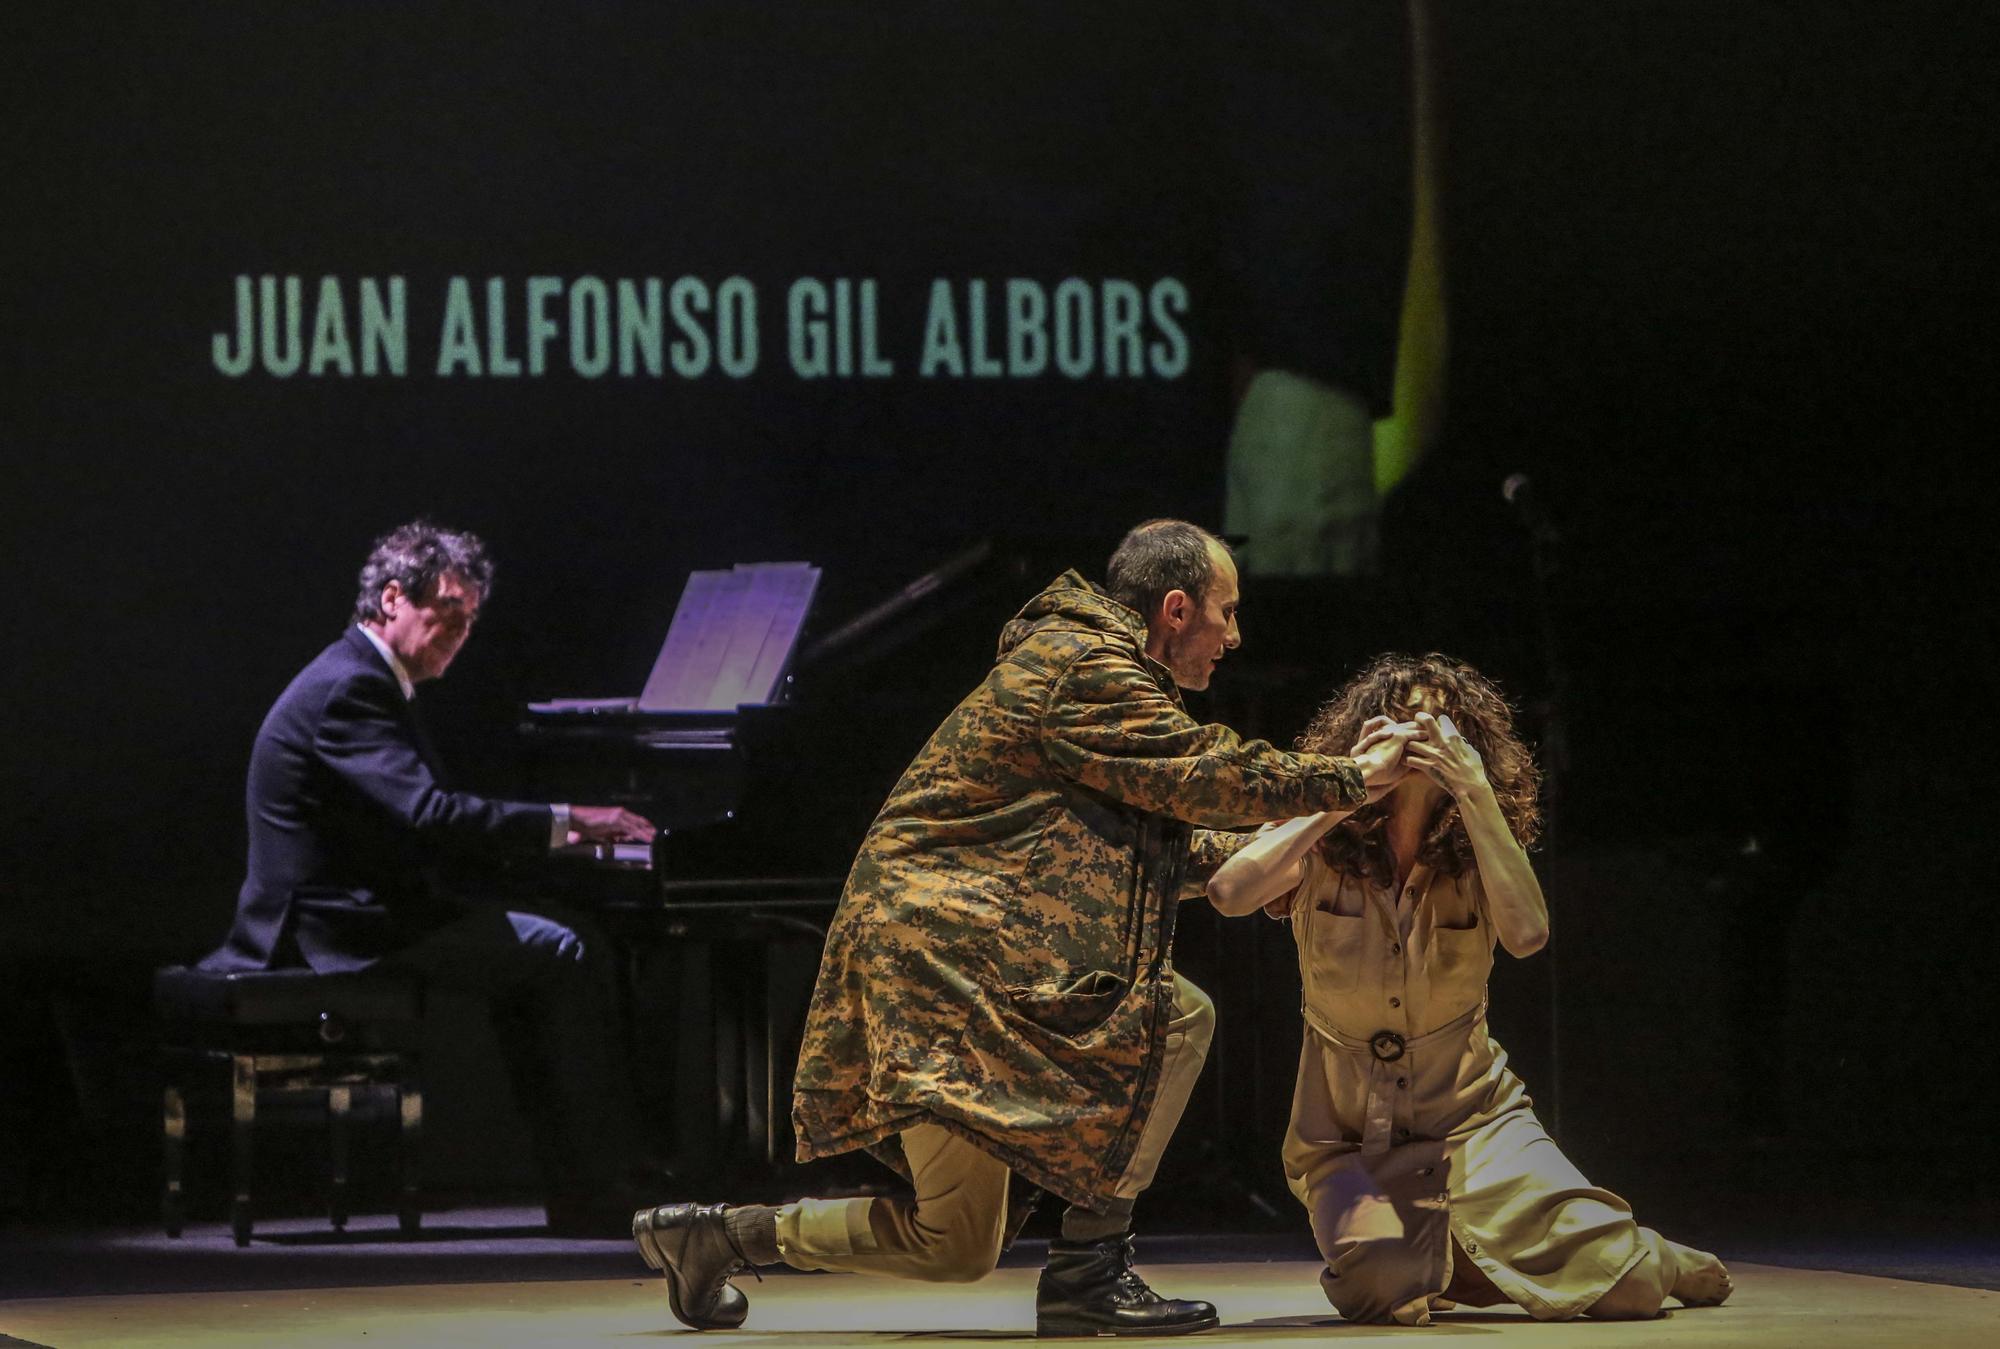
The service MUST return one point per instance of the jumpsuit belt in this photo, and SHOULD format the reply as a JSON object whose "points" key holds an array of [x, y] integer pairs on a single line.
{"points": [[1385, 1048]]}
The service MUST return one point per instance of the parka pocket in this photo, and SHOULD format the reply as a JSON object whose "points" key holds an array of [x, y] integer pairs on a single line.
{"points": [[1069, 1009]]}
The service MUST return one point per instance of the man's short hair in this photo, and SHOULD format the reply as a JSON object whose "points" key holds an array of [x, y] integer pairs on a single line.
{"points": [[415, 556], [1159, 556]]}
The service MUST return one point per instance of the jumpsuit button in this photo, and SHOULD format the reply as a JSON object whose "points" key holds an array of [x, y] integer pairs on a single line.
{"points": [[1402, 1081], [1472, 1248], [1427, 1171], [1395, 948], [1395, 1002]]}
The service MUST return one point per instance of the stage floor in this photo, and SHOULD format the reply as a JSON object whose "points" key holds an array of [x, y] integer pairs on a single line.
{"points": [[1267, 1303]]}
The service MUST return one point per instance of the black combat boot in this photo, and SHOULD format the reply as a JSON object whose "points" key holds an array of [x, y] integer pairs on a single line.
{"points": [[1090, 1288], [695, 1247]]}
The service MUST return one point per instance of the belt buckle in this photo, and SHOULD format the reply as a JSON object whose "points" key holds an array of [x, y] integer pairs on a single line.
{"points": [[1386, 1045]]}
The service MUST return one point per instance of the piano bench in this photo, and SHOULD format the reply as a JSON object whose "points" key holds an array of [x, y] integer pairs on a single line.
{"points": [[289, 1034]]}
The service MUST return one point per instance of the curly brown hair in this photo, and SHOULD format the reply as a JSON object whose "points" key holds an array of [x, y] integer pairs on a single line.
{"points": [[1400, 686]]}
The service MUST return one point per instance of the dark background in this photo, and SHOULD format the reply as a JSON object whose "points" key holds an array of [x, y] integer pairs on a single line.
{"points": [[1718, 280]]}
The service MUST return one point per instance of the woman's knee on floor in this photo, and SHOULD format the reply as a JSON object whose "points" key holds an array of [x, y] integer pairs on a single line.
{"points": [[1366, 1280], [1635, 1297]]}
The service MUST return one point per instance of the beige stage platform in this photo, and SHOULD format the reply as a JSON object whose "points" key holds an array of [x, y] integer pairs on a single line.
{"points": [[1261, 1304]]}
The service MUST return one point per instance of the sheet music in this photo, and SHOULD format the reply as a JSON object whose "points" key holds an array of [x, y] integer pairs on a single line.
{"points": [[696, 642], [731, 636], [750, 626], [790, 586]]}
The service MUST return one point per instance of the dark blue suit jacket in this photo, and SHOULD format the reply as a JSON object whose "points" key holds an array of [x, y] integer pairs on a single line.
{"points": [[348, 817]]}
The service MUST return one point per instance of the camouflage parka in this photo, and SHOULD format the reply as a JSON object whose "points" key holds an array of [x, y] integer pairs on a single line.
{"points": [[999, 962]]}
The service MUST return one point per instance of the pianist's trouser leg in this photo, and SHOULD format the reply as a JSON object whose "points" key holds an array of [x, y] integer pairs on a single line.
{"points": [[951, 1228], [547, 985]]}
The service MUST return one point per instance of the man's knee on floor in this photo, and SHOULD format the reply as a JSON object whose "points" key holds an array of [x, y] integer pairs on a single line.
{"points": [[961, 1251], [961, 1256]]}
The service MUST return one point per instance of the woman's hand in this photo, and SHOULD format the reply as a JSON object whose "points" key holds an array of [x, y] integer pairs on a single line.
{"points": [[1378, 752], [1372, 730], [1514, 898], [1447, 756]]}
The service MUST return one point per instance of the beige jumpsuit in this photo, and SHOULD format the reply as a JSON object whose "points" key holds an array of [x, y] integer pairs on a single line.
{"points": [[1407, 1127]]}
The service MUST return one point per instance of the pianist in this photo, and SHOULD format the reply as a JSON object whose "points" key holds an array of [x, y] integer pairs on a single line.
{"points": [[996, 1004], [349, 816]]}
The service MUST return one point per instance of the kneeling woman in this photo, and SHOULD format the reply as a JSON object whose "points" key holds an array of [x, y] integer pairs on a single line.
{"points": [[1414, 1148]]}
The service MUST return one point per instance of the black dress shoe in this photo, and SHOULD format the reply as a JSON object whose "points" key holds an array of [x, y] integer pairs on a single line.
{"points": [[1090, 1288], [690, 1244]]}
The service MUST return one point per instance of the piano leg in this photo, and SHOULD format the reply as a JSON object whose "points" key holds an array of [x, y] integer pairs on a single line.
{"points": [[715, 1002], [753, 1012]]}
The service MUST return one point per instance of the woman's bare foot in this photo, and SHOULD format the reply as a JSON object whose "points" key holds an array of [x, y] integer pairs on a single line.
{"points": [[1699, 1278]]}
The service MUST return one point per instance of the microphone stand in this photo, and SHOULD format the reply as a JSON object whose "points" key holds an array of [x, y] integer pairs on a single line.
{"points": [[1544, 542]]}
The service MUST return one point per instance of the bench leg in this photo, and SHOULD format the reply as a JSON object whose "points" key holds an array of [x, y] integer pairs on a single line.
{"points": [[242, 1138], [339, 1109], [173, 1139], [409, 1147]]}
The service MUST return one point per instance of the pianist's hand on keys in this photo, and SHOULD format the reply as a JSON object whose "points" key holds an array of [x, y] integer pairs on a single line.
{"points": [[608, 824]]}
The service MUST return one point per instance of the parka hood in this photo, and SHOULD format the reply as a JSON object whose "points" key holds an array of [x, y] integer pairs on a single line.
{"points": [[1074, 603]]}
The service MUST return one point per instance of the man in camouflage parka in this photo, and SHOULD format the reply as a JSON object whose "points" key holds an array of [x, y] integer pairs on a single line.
{"points": [[997, 996]]}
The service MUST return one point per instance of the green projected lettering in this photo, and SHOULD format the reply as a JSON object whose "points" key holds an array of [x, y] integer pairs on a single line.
{"points": [[593, 327]]}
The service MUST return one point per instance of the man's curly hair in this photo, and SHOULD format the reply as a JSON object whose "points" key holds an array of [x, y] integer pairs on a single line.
{"points": [[1400, 686]]}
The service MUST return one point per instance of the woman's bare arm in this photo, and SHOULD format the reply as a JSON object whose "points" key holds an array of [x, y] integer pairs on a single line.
{"points": [[1269, 865], [1513, 896], [1273, 863]]}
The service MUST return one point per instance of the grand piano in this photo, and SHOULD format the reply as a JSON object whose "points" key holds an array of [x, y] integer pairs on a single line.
{"points": [[719, 923]]}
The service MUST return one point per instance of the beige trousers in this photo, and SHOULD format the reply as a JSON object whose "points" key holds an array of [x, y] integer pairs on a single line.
{"points": [[951, 1228]]}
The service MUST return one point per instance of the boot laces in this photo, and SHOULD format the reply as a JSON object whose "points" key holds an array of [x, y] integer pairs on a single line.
{"points": [[1128, 1277]]}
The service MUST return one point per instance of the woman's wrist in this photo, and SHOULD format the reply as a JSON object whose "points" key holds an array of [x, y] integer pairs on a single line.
{"points": [[1480, 797]]}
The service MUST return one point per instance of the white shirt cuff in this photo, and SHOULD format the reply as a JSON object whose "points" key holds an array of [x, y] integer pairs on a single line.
{"points": [[558, 826]]}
